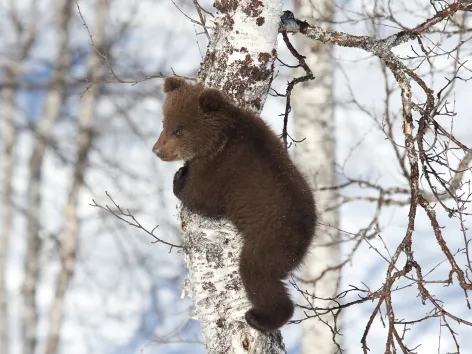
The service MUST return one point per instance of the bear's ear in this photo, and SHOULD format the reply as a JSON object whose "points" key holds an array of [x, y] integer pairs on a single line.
{"points": [[211, 99], [172, 83]]}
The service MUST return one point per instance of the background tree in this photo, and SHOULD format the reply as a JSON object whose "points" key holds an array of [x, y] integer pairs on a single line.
{"points": [[315, 154], [414, 150], [55, 96], [58, 75], [70, 233]]}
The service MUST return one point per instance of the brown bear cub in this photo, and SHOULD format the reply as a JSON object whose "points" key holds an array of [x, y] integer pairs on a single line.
{"points": [[235, 166]]}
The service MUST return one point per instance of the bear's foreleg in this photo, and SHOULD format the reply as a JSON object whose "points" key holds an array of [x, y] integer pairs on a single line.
{"points": [[200, 197], [180, 179]]}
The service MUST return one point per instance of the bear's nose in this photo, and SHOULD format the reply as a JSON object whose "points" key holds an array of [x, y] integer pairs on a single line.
{"points": [[158, 152]]}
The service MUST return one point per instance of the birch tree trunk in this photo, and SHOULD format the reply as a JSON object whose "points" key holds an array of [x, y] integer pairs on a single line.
{"points": [[44, 127], [240, 61], [70, 230], [8, 134], [312, 103]]}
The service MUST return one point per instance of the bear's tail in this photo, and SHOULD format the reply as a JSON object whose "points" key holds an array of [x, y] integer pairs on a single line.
{"points": [[272, 307]]}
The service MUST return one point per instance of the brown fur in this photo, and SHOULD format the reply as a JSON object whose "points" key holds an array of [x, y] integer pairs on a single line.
{"points": [[237, 167]]}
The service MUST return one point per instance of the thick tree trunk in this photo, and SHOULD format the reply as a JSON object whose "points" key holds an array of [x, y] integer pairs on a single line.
{"points": [[314, 121], [70, 230], [44, 127], [240, 61], [8, 134]]}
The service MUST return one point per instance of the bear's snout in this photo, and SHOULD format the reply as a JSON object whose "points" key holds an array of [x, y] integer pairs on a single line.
{"points": [[157, 148], [166, 148], [158, 152]]}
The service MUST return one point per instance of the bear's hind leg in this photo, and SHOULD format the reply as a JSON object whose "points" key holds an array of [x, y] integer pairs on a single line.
{"points": [[271, 303], [271, 315]]}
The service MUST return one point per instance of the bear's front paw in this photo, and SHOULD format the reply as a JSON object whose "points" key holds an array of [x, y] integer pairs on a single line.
{"points": [[180, 178]]}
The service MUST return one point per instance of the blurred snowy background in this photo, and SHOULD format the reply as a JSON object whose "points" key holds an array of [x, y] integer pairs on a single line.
{"points": [[125, 293]]}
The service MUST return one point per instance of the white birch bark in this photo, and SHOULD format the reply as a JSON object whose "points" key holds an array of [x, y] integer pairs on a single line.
{"points": [[8, 134], [44, 128], [312, 104], [70, 231], [11, 72], [239, 60]]}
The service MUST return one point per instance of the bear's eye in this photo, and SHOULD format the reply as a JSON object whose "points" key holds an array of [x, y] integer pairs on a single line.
{"points": [[179, 132]]}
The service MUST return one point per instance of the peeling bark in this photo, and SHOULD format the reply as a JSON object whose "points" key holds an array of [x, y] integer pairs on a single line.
{"points": [[240, 61], [44, 128], [240, 57], [314, 121]]}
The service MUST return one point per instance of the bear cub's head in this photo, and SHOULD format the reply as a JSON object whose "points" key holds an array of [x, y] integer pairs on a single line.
{"points": [[195, 123]]}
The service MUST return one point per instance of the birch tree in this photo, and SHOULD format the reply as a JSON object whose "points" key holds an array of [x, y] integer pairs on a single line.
{"points": [[44, 127], [70, 230], [314, 127], [240, 61], [26, 39], [8, 133]]}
